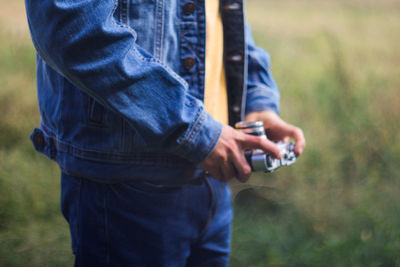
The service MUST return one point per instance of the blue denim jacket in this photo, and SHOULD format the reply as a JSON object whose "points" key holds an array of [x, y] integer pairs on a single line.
{"points": [[121, 85]]}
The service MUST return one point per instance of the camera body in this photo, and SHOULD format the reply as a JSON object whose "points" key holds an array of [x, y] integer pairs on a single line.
{"points": [[260, 161]]}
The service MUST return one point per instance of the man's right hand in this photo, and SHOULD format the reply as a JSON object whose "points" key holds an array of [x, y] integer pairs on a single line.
{"points": [[227, 160]]}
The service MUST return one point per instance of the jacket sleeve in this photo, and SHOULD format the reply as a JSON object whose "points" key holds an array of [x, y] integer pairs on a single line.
{"points": [[262, 91], [83, 42]]}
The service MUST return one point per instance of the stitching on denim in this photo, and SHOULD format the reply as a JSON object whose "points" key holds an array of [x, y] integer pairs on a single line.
{"points": [[193, 131], [120, 15], [128, 7], [162, 29], [156, 61], [140, 56], [158, 41], [121, 25], [197, 126], [185, 138], [186, 27], [186, 41], [212, 143], [194, 75], [114, 157], [139, 157]]}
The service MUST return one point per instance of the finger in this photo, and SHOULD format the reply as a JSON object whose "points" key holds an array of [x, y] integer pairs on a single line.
{"points": [[255, 142], [243, 169], [216, 173], [227, 170], [298, 136]]}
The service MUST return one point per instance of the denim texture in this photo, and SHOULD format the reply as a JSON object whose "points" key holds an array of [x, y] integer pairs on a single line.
{"points": [[140, 224], [121, 85]]}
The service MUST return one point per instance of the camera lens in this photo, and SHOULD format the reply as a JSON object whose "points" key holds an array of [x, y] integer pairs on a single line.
{"points": [[254, 128]]}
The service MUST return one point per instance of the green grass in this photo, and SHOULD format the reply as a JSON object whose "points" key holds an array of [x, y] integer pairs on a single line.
{"points": [[337, 64], [32, 230]]}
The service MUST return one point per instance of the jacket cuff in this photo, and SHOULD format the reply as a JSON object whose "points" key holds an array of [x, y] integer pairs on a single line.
{"points": [[201, 138], [262, 98]]}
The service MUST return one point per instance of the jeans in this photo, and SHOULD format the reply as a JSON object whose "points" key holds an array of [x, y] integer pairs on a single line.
{"points": [[142, 224]]}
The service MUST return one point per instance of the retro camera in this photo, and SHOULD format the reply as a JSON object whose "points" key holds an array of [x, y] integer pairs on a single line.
{"points": [[258, 159]]}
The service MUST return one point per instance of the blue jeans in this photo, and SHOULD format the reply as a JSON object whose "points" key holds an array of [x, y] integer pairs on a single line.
{"points": [[141, 224]]}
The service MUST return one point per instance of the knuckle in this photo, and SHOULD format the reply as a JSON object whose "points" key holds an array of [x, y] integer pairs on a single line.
{"points": [[222, 155], [297, 131], [231, 149], [247, 170], [225, 162]]}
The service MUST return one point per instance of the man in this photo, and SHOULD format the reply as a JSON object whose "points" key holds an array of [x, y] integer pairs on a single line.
{"points": [[125, 93]]}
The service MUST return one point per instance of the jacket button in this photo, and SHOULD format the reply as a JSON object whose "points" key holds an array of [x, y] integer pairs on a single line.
{"points": [[189, 8], [236, 108], [189, 62], [39, 140]]}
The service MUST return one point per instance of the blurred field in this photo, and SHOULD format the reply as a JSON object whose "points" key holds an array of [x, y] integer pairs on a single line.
{"points": [[338, 67]]}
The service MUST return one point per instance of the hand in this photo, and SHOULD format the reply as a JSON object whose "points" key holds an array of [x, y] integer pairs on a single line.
{"points": [[227, 160], [278, 129]]}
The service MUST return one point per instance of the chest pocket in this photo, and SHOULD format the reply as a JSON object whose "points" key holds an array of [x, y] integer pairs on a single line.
{"points": [[145, 17]]}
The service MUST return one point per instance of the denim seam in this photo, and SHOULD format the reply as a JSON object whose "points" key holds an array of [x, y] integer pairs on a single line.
{"points": [[158, 40], [142, 58], [128, 7], [194, 76], [156, 61], [212, 143], [122, 25], [196, 127], [143, 158], [211, 209], [193, 130], [124, 11], [113, 158]]}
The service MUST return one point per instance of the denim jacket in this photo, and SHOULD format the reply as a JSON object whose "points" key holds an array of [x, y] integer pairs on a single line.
{"points": [[121, 85]]}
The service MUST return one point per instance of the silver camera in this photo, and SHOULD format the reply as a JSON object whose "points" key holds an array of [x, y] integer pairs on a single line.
{"points": [[258, 159]]}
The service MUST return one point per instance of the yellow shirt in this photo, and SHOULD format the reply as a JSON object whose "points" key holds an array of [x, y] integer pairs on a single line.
{"points": [[215, 95]]}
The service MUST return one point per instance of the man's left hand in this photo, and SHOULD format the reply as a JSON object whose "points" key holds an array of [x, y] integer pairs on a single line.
{"points": [[278, 129]]}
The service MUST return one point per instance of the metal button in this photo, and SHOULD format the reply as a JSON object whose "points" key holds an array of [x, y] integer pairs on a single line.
{"points": [[231, 7], [39, 140], [235, 58], [189, 8], [235, 108], [189, 62]]}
